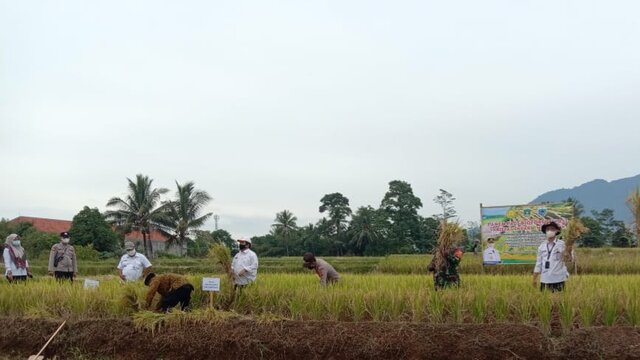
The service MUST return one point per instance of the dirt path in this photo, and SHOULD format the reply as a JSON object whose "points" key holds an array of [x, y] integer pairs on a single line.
{"points": [[245, 339]]}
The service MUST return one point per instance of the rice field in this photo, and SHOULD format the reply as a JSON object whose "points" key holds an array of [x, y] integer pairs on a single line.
{"points": [[590, 300], [590, 261]]}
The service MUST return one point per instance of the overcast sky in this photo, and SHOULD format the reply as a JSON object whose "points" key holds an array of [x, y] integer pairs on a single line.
{"points": [[269, 105]]}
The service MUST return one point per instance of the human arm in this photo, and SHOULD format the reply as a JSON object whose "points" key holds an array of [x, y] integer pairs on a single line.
{"points": [[52, 255], [75, 261], [153, 288], [537, 269], [7, 263]]}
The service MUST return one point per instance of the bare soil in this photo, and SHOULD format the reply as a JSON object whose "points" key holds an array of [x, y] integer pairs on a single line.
{"points": [[248, 339]]}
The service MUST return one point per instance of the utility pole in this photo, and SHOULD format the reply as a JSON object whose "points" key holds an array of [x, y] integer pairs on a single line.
{"points": [[216, 217]]}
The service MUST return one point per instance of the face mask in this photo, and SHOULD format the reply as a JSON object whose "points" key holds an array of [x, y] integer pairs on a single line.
{"points": [[131, 252], [65, 240], [16, 243], [551, 234]]}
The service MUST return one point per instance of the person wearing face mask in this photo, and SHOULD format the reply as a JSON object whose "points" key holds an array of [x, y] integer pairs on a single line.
{"points": [[62, 259], [244, 264], [133, 264], [325, 271], [491, 255], [550, 266], [15, 260]]}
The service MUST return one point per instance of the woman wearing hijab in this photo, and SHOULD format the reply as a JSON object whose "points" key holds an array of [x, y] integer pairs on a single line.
{"points": [[15, 259]]}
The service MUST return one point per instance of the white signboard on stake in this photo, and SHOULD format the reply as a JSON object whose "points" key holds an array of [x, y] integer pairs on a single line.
{"points": [[210, 284], [91, 284]]}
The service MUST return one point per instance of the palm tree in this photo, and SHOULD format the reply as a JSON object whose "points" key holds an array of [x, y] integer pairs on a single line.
{"points": [[363, 228], [285, 226], [140, 210], [183, 213], [633, 201]]}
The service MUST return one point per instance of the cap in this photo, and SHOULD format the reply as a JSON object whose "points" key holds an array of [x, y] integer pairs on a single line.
{"points": [[64, 234], [247, 240], [129, 245], [148, 278]]}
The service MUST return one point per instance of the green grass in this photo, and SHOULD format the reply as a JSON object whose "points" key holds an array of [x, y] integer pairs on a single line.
{"points": [[589, 300], [590, 261]]}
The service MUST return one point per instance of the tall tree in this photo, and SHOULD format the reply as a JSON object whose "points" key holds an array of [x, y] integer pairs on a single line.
{"points": [[140, 210], [633, 201], [184, 213], [621, 237], [593, 238], [365, 228], [89, 227], [337, 205], [285, 228], [445, 200], [607, 222], [400, 207]]}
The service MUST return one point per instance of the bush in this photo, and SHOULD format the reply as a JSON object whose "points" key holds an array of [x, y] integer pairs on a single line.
{"points": [[87, 252]]}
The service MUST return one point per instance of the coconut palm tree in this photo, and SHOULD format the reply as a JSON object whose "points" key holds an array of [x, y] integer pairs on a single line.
{"points": [[183, 214], [363, 229], [285, 227], [140, 210], [633, 201]]}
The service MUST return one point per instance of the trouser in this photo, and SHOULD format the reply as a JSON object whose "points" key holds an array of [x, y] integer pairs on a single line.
{"points": [[553, 287], [64, 275], [181, 295], [17, 279], [441, 281]]}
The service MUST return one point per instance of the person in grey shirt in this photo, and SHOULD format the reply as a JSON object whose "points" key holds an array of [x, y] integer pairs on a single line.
{"points": [[325, 271], [62, 259]]}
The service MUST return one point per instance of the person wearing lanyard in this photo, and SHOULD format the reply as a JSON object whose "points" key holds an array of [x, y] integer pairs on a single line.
{"points": [[550, 265]]}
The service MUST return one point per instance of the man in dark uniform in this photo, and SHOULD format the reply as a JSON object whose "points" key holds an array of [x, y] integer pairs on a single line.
{"points": [[446, 274]]}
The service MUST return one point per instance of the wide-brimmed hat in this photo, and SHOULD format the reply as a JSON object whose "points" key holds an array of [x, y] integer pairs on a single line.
{"points": [[247, 240], [553, 224]]}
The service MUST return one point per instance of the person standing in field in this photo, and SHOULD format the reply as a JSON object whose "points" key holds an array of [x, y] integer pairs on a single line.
{"points": [[244, 264], [15, 260], [173, 289], [550, 266], [445, 271], [325, 271], [62, 259], [133, 264]]}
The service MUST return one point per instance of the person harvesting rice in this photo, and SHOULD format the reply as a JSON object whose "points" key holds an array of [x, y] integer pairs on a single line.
{"points": [[447, 257]]}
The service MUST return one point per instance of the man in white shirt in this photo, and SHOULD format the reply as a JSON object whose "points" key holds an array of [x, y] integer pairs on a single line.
{"points": [[490, 255], [132, 264], [550, 260], [244, 264]]}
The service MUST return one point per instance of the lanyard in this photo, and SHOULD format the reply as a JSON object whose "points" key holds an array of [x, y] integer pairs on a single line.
{"points": [[549, 251]]}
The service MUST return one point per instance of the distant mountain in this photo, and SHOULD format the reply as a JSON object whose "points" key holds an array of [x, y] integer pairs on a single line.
{"points": [[597, 195]]}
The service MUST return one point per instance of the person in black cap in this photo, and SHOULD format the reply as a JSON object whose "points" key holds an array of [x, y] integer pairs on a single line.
{"points": [[550, 266], [174, 289], [62, 259]]}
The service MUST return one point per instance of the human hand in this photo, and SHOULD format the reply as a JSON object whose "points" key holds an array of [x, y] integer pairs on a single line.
{"points": [[50, 273], [124, 278], [242, 272], [10, 276]]}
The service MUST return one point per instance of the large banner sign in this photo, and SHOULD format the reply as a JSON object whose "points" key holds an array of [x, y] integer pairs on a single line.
{"points": [[511, 234]]}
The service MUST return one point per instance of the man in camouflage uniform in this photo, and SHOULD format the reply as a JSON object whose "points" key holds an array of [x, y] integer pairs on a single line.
{"points": [[446, 275]]}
